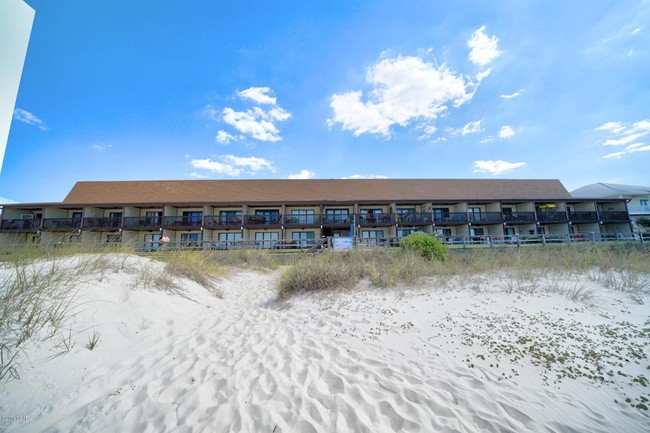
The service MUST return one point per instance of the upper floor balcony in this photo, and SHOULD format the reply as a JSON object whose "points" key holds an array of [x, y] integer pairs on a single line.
{"points": [[226, 221], [302, 219], [552, 217], [487, 217], [102, 223], [61, 224], [413, 219], [20, 225], [614, 216], [450, 218], [375, 219], [142, 223], [258, 220], [583, 217], [182, 222], [638, 209], [519, 217]]}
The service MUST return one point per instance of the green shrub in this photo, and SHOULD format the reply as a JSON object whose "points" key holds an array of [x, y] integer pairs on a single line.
{"points": [[425, 245]]}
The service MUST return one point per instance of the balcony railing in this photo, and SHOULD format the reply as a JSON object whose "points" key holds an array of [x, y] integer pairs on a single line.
{"points": [[302, 220], [583, 217], [102, 223], [182, 222], [61, 223], [519, 217], [488, 217], [638, 209], [378, 219], [413, 219], [452, 218], [614, 216], [336, 219], [20, 225], [262, 220], [223, 221], [142, 223], [551, 217]]}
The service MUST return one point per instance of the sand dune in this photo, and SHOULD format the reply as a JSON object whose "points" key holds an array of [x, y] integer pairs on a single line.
{"points": [[444, 357]]}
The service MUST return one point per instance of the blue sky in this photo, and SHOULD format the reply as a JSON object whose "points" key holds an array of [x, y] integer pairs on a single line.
{"points": [[125, 90]]}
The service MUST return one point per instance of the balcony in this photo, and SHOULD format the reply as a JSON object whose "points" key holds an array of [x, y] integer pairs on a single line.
{"points": [[182, 222], [101, 223], [551, 217], [414, 219], [217, 222], [614, 217], [61, 224], [302, 220], [583, 217], [519, 217], [142, 223], [450, 219], [488, 217], [336, 220], [257, 221], [375, 220], [20, 225]]}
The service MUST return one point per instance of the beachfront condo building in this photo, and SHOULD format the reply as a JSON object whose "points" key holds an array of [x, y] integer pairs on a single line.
{"points": [[223, 214]]}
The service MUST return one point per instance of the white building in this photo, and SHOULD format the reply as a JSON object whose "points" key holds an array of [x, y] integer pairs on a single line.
{"points": [[638, 196]]}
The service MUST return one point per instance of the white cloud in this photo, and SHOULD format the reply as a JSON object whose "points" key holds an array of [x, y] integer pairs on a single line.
{"points": [[404, 89], [429, 130], [29, 118], [483, 47], [365, 176], [513, 95], [259, 95], [101, 147], [471, 128], [496, 167], [621, 135], [304, 174], [257, 123], [5, 200], [232, 165], [211, 112], [506, 131], [487, 139], [223, 137], [614, 127]]}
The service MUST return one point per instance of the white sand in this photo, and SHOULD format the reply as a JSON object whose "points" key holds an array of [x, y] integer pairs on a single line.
{"points": [[433, 359]]}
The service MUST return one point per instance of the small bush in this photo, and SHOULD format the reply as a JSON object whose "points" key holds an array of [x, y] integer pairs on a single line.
{"points": [[425, 245]]}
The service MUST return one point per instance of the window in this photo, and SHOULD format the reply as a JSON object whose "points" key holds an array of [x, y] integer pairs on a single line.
{"points": [[234, 236], [229, 240], [192, 218], [474, 214], [153, 218], [230, 217], [443, 232], [478, 231], [267, 216], [371, 236], [151, 242], [190, 240], [299, 216], [114, 219], [643, 202], [405, 232], [441, 213], [337, 215], [306, 239], [266, 239], [406, 211]]}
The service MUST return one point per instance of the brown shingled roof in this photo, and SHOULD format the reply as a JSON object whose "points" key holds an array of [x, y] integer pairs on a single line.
{"points": [[312, 191]]}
